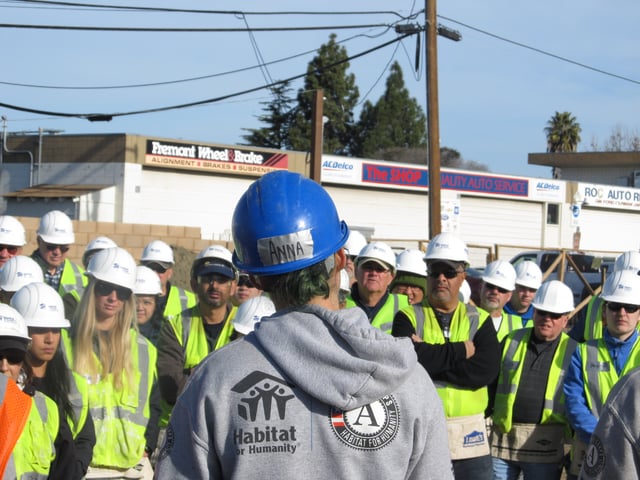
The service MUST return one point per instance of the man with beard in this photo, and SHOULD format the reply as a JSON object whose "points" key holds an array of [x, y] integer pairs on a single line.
{"points": [[457, 344], [187, 338]]}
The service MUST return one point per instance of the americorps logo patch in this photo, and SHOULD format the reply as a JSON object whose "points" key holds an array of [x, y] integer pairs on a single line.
{"points": [[369, 427], [594, 458]]}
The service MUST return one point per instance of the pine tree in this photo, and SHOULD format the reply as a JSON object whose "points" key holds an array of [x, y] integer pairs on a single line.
{"points": [[395, 121], [327, 70], [277, 118]]}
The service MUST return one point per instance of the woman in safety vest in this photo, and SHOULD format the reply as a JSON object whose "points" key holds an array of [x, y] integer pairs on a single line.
{"points": [[119, 365], [42, 308], [29, 421]]}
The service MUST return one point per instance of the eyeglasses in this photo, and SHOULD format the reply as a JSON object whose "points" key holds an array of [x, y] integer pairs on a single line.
{"points": [[104, 289], [491, 286], [447, 272], [13, 357], [156, 267], [616, 307], [51, 247], [245, 281], [11, 250], [212, 277], [551, 315]]}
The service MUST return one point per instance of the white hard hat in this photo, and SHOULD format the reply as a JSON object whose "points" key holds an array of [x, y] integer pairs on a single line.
{"points": [[98, 243], [553, 296], [159, 252], [622, 286], [528, 274], [628, 261], [378, 252], [215, 251], [355, 243], [19, 271], [12, 324], [446, 246], [147, 282], [56, 228], [344, 281], [501, 274], [40, 306], [113, 265], [11, 231], [411, 261], [464, 294], [251, 312]]}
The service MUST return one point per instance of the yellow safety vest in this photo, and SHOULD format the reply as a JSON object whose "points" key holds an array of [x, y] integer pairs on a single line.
{"points": [[178, 300], [465, 322], [593, 319], [73, 278], [513, 356], [508, 324], [34, 451], [599, 372], [384, 318], [120, 416]]}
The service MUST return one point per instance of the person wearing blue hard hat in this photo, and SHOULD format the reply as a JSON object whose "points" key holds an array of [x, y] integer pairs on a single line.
{"points": [[312, 383]]}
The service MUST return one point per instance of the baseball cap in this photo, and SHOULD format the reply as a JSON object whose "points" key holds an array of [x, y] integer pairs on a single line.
{"points": [[213, 265]]}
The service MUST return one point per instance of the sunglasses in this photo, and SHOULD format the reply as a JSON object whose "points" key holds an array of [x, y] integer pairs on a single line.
{"points": [[373, 267], [104, 289], [245, 281], [212, 277], [156, 267], [491, 286], [51, 247], [551, 315], [616, 307], [13, 358], [447, 272], [11, 250]]}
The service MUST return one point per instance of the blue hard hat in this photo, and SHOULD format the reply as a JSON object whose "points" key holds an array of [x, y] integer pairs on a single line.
{"points": [[285, 222]]}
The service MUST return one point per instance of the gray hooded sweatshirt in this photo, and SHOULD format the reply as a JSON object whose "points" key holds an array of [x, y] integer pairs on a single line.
{"points": [[311, 394]]}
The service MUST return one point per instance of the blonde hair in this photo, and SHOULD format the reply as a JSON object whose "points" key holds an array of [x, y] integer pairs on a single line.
{"points": [[97, 354]]}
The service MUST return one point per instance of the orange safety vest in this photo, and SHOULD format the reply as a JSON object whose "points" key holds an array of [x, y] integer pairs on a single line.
{"points": [[14, 412]]}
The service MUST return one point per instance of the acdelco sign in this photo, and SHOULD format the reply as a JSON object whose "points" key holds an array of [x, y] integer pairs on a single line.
{"points": [[336, 165]]}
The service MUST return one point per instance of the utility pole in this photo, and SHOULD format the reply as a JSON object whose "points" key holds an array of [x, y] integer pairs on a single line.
{"points": [[317, 125], [433, 124]]}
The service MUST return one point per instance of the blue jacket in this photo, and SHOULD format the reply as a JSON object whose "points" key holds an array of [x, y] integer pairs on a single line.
{"points": [[526, 316], [580, 416]]}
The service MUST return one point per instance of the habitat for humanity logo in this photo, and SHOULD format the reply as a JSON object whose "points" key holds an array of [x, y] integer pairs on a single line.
{"points": [[263, 402], [369, 427]]}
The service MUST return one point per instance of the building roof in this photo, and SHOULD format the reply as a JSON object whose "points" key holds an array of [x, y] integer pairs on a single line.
{"points": [[55, 191], [586, 159]]}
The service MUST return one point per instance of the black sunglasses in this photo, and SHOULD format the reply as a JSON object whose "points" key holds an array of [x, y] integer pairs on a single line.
{"points": [[156, 267], [209, 278], [491, 286], [104, 288], [616, 307], [13, 357], [245, 281], [447, 272], [551, 315], [9, 248], [51, 247]]}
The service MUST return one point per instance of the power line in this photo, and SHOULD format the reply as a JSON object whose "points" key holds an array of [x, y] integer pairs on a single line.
{"points": [[543, 52], [109, 116]]}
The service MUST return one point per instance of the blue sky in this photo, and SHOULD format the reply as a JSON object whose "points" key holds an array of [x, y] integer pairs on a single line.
{"points": [[494, 97]]}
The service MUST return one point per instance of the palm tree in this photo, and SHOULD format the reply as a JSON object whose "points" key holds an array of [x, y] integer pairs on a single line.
{"points": [[563, 133]]}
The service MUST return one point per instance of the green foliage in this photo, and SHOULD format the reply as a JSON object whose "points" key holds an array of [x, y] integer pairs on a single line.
{"points": [[563, 133], [277, 117], [328, 70], [396, 120]]}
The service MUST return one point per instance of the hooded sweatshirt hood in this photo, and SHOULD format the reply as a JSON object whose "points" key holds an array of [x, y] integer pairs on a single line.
{"points": [[336, 356]]}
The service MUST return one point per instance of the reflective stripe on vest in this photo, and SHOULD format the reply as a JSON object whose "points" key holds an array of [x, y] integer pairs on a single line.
{"points": [[511, 367], [508, 324], [599, 371], [79, 399], [178, 300], [593, 319]]}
